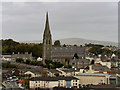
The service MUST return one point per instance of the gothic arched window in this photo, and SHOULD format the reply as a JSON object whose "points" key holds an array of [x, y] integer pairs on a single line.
{"points": [[49, 41]]}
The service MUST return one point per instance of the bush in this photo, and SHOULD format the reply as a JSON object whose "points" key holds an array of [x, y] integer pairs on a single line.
{"points": [[20, 60]]}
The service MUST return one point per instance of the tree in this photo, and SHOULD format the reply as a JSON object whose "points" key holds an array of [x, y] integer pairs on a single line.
{"points": [[75, 45], [67, 60], [96, 50], [76, 56], [37, 50], [53, 65], [56, 74], [57, 43], [9, 46], [28, 61], [92, 62], [20, 60], [64, 45]]}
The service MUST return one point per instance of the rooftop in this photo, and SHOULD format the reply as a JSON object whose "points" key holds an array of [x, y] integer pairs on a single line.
{"points": [[52, 78]]}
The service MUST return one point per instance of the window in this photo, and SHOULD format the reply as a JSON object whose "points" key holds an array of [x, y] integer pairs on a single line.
{"points": [[49, 41]]}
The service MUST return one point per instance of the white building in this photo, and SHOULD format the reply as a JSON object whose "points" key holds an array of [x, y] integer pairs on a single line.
{"points": [[94, 78], [6, 57], [50, 82]]}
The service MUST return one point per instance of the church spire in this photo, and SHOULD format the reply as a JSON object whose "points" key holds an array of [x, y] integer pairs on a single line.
{"points": [[47, 41], [47, 28]]}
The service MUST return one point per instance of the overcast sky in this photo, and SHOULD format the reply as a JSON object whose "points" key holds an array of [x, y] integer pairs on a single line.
{"points": [[88, 20]]}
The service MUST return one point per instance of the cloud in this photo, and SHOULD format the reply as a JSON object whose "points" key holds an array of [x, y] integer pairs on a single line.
{"points": [[26, 21]]}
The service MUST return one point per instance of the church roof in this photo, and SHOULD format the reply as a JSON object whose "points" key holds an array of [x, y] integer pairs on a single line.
{"points": [[70, 49]]}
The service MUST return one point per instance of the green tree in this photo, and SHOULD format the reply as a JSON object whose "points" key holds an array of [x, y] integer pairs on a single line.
{"points": [[28, 61], [56, 74], [76, 56], [20, 60], [67, 60], [37, 50], [57, 43], [64, 45], [96, 50]]}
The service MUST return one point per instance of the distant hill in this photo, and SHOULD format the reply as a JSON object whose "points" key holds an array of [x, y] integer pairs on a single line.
{"points": [[78, 41]]}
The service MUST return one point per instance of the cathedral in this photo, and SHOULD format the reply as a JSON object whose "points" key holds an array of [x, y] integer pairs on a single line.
{"points": [[58, 53]]}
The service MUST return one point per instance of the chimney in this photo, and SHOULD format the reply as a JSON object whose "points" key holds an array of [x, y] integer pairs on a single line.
{"points": [[18, 52]]}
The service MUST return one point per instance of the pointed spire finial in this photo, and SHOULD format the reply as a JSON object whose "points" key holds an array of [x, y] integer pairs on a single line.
{"points": [[47, 22]]}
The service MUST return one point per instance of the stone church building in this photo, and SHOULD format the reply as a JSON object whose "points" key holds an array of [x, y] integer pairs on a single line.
{"points": [[58, 53]]}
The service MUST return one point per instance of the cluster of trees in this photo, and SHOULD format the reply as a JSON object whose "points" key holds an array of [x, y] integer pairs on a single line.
{"points": [[52, 65], [97, 49], [57, 43], [92, 45], [29, 62], [9, 46]]}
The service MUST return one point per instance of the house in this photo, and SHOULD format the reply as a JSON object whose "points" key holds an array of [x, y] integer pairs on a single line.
{"points": [[104, 63], [79, 63], [68, 72], [50, 82], [96, 68], [6, 57], [93, 78], [10, 72], [25, 56], [32, 72], [54, 73], [118, 79]]}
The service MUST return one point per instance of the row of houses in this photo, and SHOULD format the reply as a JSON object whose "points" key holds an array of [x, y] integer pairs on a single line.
{"points": [[66, 78], [50, 82]]}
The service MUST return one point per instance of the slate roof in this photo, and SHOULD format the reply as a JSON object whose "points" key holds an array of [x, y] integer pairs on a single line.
{"points": [[68, 49], [92, 74], [52, 78], [36, 71], [21, 55], [6, 56], [69, 70], [54, 71], [79, 60], [99, 67]]}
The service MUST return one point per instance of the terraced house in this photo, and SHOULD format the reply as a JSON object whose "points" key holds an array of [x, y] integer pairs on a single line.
{"points": [[50, 82]]}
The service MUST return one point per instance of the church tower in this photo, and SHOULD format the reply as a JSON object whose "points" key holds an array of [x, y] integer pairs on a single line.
{"points": [[47, 41]]}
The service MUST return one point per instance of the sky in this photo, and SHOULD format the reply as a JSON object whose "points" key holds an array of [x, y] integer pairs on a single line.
{"points": [[25, 21]]}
